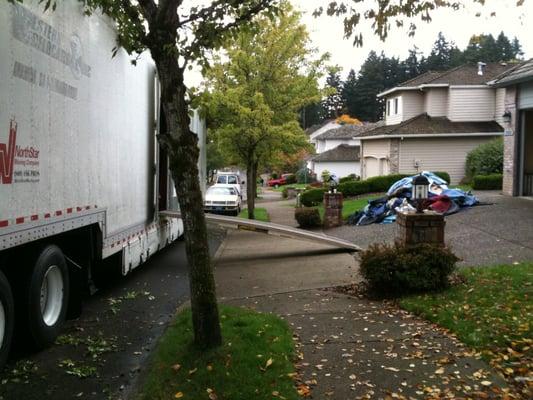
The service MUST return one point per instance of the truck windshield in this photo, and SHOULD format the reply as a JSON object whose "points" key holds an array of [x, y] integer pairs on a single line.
{"points": [[232, 180]]}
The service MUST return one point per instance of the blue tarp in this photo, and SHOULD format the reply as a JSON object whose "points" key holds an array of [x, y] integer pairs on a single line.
{"points": [[383, 210]]}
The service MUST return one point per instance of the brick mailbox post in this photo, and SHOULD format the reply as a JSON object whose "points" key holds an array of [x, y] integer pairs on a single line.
{"points": [[333, 210], [426, 227]]}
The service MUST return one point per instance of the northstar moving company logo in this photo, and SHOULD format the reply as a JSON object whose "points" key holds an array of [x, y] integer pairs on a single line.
{"points": [[11, 154]]}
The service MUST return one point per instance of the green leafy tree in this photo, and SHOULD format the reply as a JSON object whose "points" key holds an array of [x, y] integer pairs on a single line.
{"points": [[254, 96], [349, 94]]}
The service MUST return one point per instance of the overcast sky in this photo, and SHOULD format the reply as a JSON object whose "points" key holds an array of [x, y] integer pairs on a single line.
{"points": [[458, 26]]}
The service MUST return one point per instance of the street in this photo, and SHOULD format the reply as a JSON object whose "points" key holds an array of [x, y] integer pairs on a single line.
{"points": [[103, 353]]}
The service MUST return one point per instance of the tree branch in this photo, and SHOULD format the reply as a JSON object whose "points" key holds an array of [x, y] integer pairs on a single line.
{"points": [[149, 9]]}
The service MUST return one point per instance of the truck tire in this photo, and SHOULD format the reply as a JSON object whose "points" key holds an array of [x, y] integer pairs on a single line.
{"points": [[7, 318], [45, 298]]}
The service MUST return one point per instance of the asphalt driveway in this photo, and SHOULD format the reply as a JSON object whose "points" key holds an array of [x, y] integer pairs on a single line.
{"points": [[499, 231]]}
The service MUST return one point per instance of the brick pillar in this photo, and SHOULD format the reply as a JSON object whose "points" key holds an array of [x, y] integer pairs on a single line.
{"points": [[333, 210], [415, 228]]}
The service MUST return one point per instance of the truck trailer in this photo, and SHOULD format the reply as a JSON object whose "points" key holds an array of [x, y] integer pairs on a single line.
{"points": [[83, 179]]}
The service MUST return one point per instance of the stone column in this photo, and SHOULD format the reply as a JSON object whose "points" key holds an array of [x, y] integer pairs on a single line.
{"points": [[416, 228], [332, 210]]}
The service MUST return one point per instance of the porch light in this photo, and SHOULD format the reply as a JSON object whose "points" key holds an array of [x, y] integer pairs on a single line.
{"points": [[420, 191], [507, 117]]}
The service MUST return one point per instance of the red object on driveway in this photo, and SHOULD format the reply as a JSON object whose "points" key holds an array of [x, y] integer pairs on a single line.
{"points": [[278, 182]]}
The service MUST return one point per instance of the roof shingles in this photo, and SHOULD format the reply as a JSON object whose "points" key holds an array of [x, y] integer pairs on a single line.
{"points": [[424, 125], [343, 152]]}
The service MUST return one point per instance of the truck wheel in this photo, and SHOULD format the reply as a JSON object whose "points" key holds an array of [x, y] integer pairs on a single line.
{"points": [[7, 320], [46, 296]]}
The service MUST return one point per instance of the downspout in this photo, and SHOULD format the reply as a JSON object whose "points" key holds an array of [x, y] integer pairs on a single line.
{"points": [[518, 159]]}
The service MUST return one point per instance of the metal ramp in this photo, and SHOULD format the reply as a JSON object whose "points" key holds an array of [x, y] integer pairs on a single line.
{"points": [[272, 229]]}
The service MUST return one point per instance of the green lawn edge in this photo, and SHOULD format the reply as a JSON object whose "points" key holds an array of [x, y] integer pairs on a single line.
{"points": [[261, 214], [239, 369]]}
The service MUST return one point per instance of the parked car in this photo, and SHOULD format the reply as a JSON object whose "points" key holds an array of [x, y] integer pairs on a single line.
{"points": [[230, 179], [284, 180], [222, 199]]}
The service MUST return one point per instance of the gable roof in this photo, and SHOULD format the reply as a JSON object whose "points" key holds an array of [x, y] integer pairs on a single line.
{"points": [[423, 125], [348, 131], [466, 74], [342, 152], [520, 73]]}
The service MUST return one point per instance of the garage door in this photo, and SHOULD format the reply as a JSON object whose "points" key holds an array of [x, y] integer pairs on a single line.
{"points": [[371, 167]]}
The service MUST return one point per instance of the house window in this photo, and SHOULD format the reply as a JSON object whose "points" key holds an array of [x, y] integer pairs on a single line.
{"points": [[388, 107], [396, 105]]}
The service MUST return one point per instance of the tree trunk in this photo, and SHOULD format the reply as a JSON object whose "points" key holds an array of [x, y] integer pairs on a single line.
{"points": [[250, 187], [182, 147], [255, 179]]}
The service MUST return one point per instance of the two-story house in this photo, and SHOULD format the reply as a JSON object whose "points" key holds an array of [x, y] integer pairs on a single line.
{"points": [[338, 149], [518, 124], [432, 121]]}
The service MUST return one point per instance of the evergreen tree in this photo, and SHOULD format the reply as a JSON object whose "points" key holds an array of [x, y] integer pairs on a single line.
{"points": [[441, 54], [505, 47], [333, 104], [350, 95], [517, 49], [412, 65], [371, 82]]}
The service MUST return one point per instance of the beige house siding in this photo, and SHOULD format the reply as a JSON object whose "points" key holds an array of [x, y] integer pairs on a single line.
{"points": [[375, 155], [435, 154], [499, 107], [436, 102], [413, 104], [471, 104]]}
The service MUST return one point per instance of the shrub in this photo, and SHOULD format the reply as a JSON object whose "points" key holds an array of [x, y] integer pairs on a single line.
{"points": [[316, 185], [285, 192], [325, 175], [290, 178], [443, 175], [487, 182], [312, 197], [353, 188], [349, 178], [383, 183], [399, 269], [305, 175], [486, 159], [307, 217], [274, 175]]}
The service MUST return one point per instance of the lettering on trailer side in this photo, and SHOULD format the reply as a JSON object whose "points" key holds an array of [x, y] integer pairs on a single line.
{"points": [[18, 164], [34, 32]]}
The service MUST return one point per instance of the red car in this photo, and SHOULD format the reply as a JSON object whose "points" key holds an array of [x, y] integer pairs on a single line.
{"points": [[281, 181]]}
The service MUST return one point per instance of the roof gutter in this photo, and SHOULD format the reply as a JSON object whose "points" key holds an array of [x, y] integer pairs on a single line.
{"points": [[432, 135], [396, 89], [511, 82]]}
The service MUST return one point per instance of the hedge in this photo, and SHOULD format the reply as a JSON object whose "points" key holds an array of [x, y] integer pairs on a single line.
{"points": [[485, 159], [443, 175], [374, 184], [307, 217], [487, 182], [312, 197]]}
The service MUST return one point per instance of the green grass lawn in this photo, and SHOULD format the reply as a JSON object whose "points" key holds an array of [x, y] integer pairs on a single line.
{"points": [[294, 185], [349, 206], [255, 361], [491, 312], [261, 214]]}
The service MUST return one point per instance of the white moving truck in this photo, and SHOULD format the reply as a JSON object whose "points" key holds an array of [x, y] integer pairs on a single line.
{"points": [[82, 177]]}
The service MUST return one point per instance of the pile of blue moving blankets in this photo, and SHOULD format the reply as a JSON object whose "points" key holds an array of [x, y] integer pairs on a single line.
{"points": [[398, 199]]}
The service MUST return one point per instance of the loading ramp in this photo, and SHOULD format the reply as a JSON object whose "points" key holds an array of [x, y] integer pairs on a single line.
{"points": [[272, 229]]}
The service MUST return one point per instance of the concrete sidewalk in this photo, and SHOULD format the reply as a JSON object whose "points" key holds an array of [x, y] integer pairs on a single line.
{"points": [[349, 348]]}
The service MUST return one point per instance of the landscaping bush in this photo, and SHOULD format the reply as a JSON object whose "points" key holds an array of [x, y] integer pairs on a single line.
{"points": [[486, 159], [349, 178], [316, 184], [443, 175], [325, 175], [312, 197], [285, 192], [399, 269], [353, 188], [383, 183], [307, 217], [304, 175], [290, 179], [487, 182]]}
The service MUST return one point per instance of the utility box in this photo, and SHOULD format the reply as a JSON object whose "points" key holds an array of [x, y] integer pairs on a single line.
{"points": [[332, 210], [416, 228]]}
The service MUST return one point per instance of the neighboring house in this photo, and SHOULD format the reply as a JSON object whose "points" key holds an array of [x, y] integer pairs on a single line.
{"points": [[432, 122], [332, 138], [518, 139], [342, 160]]}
